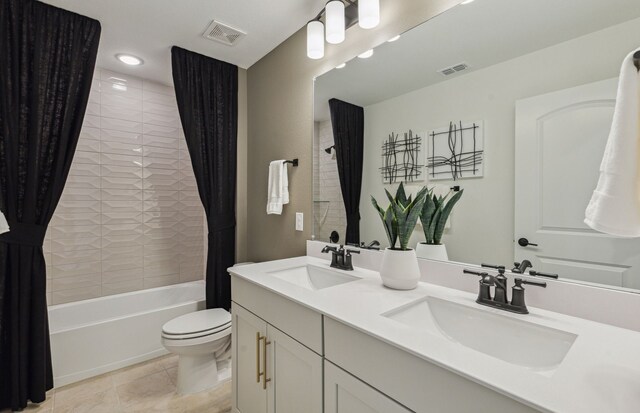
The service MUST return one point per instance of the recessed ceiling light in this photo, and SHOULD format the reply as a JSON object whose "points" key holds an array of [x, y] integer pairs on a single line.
{"points": [[129, 59], [341, 66], [393, 39], [366, 54], [467, 1]]}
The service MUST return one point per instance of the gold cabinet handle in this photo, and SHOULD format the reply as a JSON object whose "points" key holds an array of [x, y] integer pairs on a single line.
{"points": [[265, 380], [258, 374]]}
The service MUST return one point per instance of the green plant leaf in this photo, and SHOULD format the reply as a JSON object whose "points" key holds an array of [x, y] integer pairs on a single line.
{"points": [[426, 215], [391, 225], [401, 196], [381, 212], [411, 218], [446, 211]]}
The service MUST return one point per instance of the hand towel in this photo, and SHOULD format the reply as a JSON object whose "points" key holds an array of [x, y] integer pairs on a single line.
{"points": [[4, 226], [615, 204], [278, 188]]}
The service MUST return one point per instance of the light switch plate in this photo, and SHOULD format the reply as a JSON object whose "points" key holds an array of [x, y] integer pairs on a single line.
{"points": [[299, 221]]}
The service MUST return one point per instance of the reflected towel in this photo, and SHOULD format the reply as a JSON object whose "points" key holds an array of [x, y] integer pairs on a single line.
{"points": [[615, 204], [278, 189], [4, 225]]}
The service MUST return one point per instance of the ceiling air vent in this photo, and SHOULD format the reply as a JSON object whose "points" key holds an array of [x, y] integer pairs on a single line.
{"points": [[447, 71], [222, 33]]}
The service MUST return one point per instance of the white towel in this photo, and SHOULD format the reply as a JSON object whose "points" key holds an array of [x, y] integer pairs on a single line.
{"points": [[615, 204], [4, 226], [278, 189]]}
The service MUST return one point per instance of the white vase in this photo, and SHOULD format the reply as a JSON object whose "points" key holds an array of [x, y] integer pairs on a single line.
{"points": [[400, 269], [432, 251]]}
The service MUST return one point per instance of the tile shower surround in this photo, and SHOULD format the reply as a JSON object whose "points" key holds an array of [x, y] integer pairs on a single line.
{"points": [[130, 217], [326, 192]]}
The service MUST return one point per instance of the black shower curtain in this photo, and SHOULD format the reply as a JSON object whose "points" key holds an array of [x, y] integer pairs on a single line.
{"points": [[207, 95], [347, 121], [48, 56]]}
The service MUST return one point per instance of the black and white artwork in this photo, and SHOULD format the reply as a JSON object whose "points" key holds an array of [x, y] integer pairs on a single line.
{"points": [[403, 158], [456, 152]]}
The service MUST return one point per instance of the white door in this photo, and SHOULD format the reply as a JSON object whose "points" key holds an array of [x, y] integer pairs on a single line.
{"points": [[296, 375], [560, 140], [248, 331], [346, 394]]}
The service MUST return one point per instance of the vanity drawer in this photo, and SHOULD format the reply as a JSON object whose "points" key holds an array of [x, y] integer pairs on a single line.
{"points": [[297, 321], [416, 383]]}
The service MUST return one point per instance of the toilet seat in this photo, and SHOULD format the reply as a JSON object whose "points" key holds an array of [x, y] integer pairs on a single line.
{"points": [[215, 321]]}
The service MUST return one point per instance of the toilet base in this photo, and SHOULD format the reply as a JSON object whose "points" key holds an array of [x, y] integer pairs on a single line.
{"points": [[198, 373]]}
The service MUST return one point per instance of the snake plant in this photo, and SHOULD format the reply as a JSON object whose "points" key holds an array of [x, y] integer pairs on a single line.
{"points": [[400, 218], [435, 212]]}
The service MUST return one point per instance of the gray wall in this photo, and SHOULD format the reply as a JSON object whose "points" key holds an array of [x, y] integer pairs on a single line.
{"points": [[280, 120]]}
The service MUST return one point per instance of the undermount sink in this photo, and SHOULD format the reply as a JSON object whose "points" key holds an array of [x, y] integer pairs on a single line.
{"points": [[312, 277], [506, 338]]}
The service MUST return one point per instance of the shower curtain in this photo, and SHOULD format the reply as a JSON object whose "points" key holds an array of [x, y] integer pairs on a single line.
{"points": [[347, 121], [207, 95], [48, 57]]}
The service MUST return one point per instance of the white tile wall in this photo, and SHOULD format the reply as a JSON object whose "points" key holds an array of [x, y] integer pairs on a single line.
{"points": [[130, 217], [329, 212]]}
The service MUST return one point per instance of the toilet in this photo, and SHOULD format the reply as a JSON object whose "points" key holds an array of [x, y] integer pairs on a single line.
{"points": [[202, 341]]}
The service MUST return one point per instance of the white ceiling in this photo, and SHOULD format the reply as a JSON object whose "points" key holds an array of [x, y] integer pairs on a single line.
{"points": [[481, 34], [148, 29]]}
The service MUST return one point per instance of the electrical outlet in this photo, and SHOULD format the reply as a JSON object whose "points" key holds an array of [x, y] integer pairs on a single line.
{"points": [[299, 221]]}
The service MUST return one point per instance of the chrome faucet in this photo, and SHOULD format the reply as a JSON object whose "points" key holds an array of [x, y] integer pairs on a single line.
{"points": [[500, 284], [340, 257]]}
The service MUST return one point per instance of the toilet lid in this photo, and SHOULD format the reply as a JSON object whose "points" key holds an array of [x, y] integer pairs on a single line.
{"points": [[198, 322]]}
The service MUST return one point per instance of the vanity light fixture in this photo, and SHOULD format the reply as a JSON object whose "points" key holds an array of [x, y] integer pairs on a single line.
{"points": [[335, 21], [129, 59], [339, 15], [315, 40], [393, 39], [368, 13], [341, 66], [366, 54]]}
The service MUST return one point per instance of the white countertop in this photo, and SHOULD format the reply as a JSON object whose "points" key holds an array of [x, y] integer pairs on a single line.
{"points": [[600, 373]]}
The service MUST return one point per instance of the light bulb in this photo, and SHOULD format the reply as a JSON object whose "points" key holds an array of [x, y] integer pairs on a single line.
{"points": [[368, 13], [341, 66], [315, 40], [366, 54], [393, 39], [335, 21]]}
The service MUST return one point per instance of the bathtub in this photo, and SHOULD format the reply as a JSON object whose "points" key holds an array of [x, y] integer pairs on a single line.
{"points": [[96, 336]]}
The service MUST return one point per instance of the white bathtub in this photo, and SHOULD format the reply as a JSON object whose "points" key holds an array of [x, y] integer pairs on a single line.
{"points": [[96, 336]]}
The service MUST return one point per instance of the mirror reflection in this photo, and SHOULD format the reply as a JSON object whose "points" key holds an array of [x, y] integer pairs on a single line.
{"points": [[503, 107]]}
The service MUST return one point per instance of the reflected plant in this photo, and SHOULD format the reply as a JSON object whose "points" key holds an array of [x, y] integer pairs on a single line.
{"points": [[435, 212], [401, 217]]}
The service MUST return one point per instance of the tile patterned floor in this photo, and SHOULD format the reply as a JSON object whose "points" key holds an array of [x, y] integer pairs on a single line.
{"points": [[144, 387]]}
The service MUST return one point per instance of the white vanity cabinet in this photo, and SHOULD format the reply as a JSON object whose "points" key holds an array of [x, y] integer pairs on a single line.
{"points": [[273, 372], [288, 358], [344, 393]]}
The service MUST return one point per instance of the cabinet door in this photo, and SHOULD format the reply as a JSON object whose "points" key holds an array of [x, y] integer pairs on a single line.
{"points": [[248, 393], [344, 393], [296, 375]]}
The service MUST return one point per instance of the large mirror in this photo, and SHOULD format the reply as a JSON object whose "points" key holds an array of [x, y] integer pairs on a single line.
{"points": [[510, 101]]}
